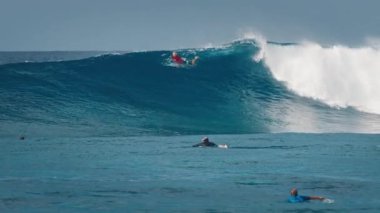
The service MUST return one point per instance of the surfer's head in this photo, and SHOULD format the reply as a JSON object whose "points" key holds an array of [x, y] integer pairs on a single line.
{"points": [[174, 53], [294, 192], [205, 140]]}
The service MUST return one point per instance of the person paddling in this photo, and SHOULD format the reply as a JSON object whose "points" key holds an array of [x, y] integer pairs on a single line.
{"points": [[295, 198], [205, 143], [179, 60]]}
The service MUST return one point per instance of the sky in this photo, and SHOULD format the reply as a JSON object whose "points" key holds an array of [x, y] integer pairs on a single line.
{"points": [[136, 25]]}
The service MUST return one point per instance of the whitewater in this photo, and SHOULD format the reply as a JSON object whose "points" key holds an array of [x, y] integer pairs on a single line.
{"points": [[337, 75]]}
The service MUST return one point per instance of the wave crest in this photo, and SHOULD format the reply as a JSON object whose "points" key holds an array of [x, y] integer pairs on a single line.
{"points": [[339, 76]]}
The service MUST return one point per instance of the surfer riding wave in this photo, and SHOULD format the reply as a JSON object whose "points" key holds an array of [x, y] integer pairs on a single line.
{"points": [[183, 61]]}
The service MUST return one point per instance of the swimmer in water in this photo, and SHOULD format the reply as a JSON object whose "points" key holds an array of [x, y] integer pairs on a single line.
{"points": [[205, 143], [295, 198]]}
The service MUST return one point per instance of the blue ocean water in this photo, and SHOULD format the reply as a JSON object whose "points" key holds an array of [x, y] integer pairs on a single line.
{"points": [[140, 93], [113, 132], [7, 57], [165, 174]]}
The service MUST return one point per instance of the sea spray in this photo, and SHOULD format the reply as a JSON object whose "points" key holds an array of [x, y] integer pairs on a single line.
{"points": [[337, 75]]}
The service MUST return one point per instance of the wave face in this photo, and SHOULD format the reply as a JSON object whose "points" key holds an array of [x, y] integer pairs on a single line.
{"points": [[142, 94]]}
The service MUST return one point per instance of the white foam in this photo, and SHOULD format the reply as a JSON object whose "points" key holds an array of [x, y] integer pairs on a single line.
{"points": [[339, 76], [326, 200], [260, 40]]}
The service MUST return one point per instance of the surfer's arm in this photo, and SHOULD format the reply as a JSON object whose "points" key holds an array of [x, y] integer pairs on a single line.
{"points": [[194, 60], [315, 198], [212, 144], [197, 145]]}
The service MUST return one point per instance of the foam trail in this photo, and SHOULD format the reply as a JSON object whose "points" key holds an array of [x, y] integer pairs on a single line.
{"points": [[339, 76]]}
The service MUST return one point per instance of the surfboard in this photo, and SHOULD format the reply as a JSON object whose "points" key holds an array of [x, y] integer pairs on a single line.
{"points": [[223, 146], [326, 200]]}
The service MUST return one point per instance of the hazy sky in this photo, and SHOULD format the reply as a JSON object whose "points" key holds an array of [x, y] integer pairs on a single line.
{"points": [[168, 24]]}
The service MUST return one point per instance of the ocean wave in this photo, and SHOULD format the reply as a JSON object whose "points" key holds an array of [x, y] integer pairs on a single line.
{"points": [[247, 86], [339, 76]]}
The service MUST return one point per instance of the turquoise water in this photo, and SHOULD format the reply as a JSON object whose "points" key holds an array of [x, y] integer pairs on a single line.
{"points": [[7, 57], [165, 174], [141, 93], [113, 133]]}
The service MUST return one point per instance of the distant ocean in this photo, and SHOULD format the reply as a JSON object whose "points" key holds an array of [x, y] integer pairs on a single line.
{"points": [[10, 57], [112, 131]]}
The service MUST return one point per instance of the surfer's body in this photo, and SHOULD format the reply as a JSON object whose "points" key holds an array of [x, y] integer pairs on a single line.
{"points": [[181, 61], [295, 198], [206, 143]]}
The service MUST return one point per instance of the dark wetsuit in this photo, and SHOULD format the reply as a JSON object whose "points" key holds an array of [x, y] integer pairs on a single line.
{"points": [[204, 144]]}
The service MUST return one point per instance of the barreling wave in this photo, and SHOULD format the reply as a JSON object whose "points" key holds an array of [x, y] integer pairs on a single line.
{"points": [[226, 92]]}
